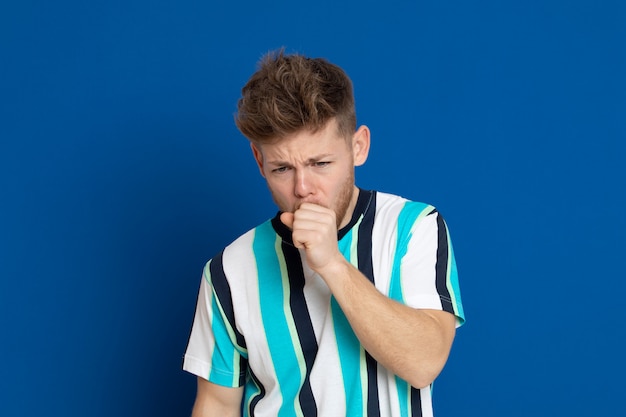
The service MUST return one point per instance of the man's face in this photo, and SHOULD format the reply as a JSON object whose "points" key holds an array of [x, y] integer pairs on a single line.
{"points": [[314, 168]]}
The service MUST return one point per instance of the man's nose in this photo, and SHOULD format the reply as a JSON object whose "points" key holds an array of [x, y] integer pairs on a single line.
{"points": [[304, 186]]}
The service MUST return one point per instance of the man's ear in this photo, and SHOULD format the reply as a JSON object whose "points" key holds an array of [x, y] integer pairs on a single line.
{"points": [[361, 145], [258, 156]]}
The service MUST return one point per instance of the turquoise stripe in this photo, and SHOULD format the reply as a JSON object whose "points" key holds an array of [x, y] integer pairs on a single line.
{"points": [[403, 388], [406, 219], [272, 293], [345, 243], [349, 346], [349, 349]]}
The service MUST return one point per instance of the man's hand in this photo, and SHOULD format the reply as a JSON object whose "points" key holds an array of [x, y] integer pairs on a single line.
{"points": [[413, 344], [315, 230]]}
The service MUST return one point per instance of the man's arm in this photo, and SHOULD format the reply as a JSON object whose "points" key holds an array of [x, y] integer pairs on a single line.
{"points": [[413, 344], [217, 401]]}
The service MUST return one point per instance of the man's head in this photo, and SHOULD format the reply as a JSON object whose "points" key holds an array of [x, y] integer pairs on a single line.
{"points": [[291, 93], [299, 115]]}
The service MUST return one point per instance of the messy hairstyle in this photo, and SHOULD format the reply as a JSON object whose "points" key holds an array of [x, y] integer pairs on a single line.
{"points": [[290, 93]]}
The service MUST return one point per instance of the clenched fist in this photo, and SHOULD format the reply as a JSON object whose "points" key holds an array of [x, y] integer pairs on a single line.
{"points": [[314, 229]]}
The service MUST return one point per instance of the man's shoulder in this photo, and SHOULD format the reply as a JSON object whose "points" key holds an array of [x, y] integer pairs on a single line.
{"points": [[241, 251], [400, 214], [393, 202], [245, 243]]}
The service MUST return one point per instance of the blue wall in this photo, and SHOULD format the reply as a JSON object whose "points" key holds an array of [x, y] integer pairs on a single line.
{"points": [[121, 173]]}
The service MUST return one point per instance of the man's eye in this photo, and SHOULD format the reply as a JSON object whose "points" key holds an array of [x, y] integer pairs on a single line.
{"points": [[280, 169], [322, 163]]}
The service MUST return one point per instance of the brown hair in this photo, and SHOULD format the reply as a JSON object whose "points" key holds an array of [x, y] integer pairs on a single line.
{"points": [[289, 93]]}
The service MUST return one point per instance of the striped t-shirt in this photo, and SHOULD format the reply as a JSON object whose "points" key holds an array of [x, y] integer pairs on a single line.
{"points": [[264, 320]]}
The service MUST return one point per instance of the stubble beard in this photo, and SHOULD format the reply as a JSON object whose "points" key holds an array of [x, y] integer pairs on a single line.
{"points": [[344, 199]]}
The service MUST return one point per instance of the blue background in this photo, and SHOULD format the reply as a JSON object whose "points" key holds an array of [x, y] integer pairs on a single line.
{"points": [[121, 173]]}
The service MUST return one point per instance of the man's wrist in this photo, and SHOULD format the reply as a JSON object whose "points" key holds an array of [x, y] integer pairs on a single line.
{"points": [[335, 270]]}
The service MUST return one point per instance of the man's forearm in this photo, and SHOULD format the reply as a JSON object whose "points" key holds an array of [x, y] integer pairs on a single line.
{"points": [[413, 344]]}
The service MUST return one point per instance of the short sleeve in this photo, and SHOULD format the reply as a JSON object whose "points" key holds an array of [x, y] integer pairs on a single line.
{"points": [[216, 351], [427, 271]]}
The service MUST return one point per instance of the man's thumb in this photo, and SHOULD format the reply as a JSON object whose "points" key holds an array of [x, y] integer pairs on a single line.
{"points": [[287, 219]]}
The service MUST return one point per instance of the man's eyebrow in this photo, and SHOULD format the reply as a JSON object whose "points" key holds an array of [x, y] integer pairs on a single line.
{"points": [[317, 158], [278, 162], [320, 157], [313, 159]]}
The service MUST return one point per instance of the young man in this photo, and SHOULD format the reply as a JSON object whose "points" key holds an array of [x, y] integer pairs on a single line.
{"points": [[346, 302]]}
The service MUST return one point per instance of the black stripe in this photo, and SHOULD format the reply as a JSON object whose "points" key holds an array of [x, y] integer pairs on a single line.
{"points": [[243, 370], [364, 244], [304, 326], [223, 294], [416, 402], [257, 397], [373, 404], [441, 268], [366, 266], [362, 204]]}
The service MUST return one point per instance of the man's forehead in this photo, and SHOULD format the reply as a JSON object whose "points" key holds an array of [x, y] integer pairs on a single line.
{"points": [[304, 147]]}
